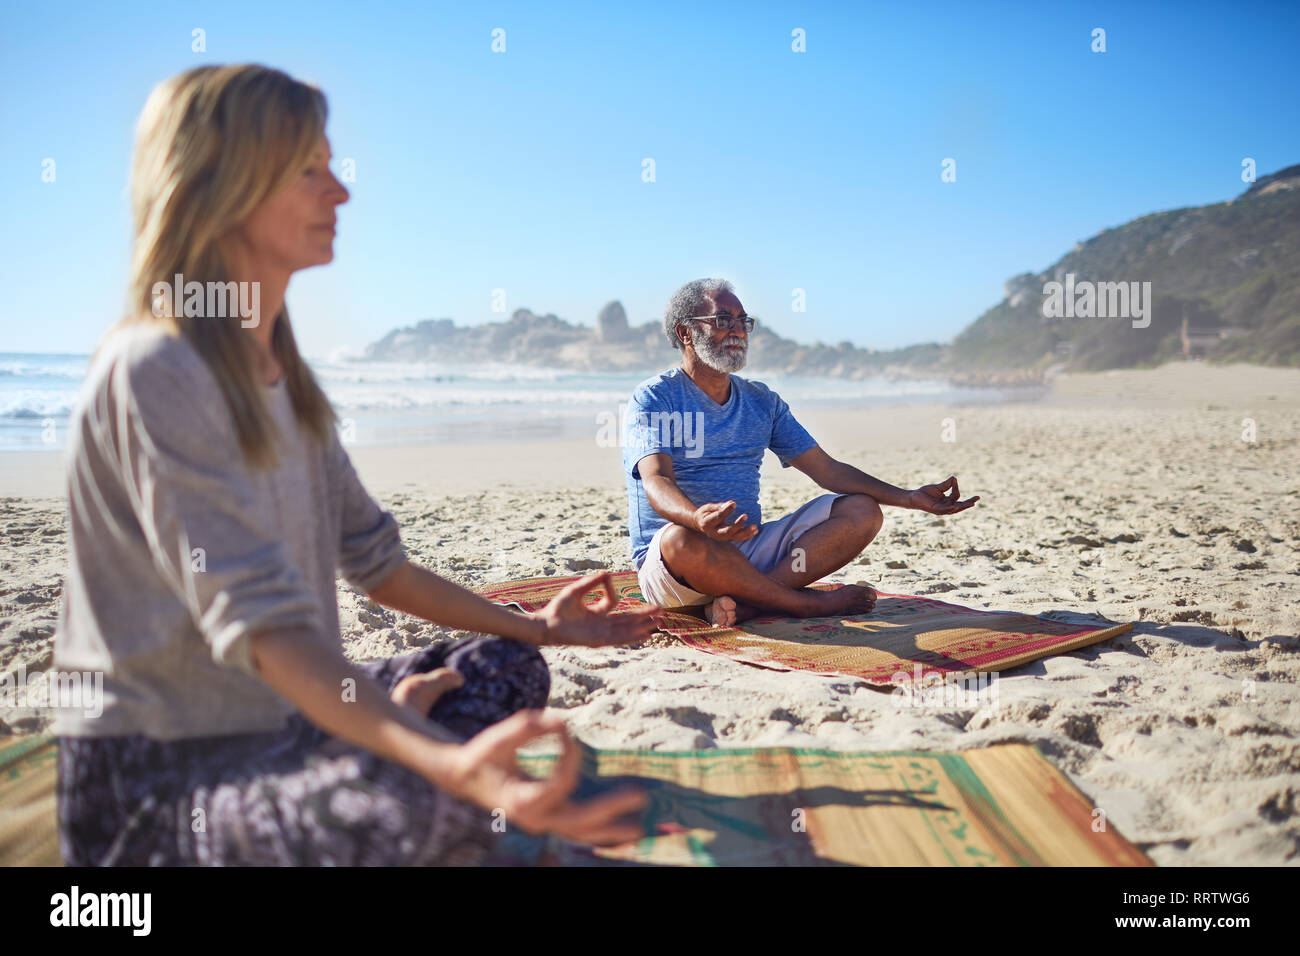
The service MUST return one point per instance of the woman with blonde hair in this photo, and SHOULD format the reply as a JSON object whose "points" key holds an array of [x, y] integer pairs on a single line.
{"points": [[211, 506]]}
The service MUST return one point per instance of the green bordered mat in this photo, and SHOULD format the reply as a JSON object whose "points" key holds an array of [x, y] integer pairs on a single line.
{"points": [[996, 806], [28, 834]]}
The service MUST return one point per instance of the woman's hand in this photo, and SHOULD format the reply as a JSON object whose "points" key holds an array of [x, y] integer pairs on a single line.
{"points": [[418, 591], [485, 772], [568, 621], [420, 692], [483, 769]]}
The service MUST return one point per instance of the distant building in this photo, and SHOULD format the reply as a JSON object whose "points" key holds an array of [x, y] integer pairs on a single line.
{"points": [[1199, 341]]}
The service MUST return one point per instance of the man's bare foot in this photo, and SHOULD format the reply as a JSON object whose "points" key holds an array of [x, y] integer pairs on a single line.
{"points": [[721, 611], [726, 611], [850, 599]]}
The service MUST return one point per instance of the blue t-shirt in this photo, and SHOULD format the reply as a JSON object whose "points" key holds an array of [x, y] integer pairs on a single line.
{"points": [[716, 449]]}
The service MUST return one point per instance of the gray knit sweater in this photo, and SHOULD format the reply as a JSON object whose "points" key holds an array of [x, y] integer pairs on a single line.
{"points": [[179, 552]]}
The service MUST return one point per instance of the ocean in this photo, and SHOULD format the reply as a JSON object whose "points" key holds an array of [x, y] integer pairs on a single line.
{"points": [[400, 403]]}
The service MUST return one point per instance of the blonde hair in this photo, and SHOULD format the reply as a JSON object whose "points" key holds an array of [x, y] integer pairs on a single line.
{"points": [[212, 144]]}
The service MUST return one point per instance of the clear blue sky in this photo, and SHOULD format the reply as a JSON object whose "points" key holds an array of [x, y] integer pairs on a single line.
{"points": [[522, 170]]}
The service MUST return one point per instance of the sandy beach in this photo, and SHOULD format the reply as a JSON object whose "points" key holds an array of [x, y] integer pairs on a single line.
{"points": [[1132, 495]]}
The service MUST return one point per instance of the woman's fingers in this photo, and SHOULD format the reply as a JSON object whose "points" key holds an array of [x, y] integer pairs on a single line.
{"points": [[609, 601], [578, 589], [598, 629], [570, 599], [601, 821], [599, 581], [555, 788], [641, 621], [613, 836], [516, 730], [591, 582], [628, 629], [545, 796], [543, 806], [597, 820]]}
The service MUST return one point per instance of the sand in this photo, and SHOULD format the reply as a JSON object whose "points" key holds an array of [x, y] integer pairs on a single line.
{"points": [[1127, 494]]}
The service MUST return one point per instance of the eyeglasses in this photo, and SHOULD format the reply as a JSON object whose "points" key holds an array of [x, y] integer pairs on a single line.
{"points": [[727, 322]]}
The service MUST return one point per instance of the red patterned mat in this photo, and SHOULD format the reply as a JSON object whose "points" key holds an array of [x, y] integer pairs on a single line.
{"points": [[904, 639]]}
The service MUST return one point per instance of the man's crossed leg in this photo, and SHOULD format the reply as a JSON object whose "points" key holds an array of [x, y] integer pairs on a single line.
{"points": [[769, 572]]}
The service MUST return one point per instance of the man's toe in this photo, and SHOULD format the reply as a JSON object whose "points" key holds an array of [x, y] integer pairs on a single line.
{"points": [[722, 612]]}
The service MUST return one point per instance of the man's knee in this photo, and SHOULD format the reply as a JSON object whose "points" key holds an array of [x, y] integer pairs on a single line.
{"points": [[865, 513], [678, 544]]}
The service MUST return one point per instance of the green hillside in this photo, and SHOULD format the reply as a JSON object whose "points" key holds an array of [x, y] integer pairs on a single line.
{"points": [[1233, 265]]}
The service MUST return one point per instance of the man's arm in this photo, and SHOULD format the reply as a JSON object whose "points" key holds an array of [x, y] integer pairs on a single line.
{"points": [[669, 500], [662, 492], [843, 478]]}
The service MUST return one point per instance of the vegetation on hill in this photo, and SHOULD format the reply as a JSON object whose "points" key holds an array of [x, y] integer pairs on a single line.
{"points": [[1229, 266]]}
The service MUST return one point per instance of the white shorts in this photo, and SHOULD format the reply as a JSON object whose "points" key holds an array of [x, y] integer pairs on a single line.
{"points": [[764, 550]]}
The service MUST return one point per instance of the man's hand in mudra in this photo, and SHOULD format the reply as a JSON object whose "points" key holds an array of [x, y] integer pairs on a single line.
{"points": [[940, 499]]}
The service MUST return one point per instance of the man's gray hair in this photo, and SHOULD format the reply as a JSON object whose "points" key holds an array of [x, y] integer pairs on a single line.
{"points": [[687, 302]]}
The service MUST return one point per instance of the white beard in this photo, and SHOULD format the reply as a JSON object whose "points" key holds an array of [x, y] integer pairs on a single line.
{"points": [[716, 357]]}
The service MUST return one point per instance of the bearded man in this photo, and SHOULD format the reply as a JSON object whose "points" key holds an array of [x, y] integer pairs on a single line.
{"points": [[692, 451]]}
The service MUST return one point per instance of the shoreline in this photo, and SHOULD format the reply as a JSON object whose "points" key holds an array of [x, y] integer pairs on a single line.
{"points": [[464, 465]]}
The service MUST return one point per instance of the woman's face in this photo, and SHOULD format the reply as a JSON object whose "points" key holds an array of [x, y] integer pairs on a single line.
{"points": [[294, 227]]}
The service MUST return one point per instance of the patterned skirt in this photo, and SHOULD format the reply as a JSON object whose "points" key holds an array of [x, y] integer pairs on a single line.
{"points": [[297, 796]]}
